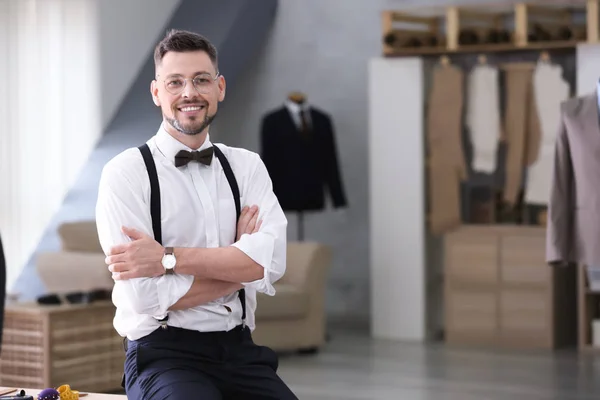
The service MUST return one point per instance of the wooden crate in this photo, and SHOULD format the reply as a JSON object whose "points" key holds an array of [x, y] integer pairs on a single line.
{"points": [[47, 346], [499, 291], [399, 28], [460, 20], [552, 19]]}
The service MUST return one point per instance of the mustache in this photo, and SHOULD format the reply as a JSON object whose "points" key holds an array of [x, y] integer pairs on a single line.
{"points": [[189, 102]]}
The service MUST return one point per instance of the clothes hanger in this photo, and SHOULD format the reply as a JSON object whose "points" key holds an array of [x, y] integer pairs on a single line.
{"points": [[544, 57], [444, 60], [297, 97]]}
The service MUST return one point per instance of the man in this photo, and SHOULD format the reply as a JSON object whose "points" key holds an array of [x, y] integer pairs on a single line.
{"points": [[178, 256]]}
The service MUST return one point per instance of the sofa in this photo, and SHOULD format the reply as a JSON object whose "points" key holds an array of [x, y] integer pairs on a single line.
{"points": [[292, 320]]}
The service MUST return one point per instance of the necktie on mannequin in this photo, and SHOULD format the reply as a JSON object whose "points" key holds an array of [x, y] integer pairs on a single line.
{"points": [[204, 157], [304, 126]]}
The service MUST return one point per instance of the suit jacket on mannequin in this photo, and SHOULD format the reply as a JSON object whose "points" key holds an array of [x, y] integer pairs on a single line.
{"points": [[301, 164], [573, 230]]}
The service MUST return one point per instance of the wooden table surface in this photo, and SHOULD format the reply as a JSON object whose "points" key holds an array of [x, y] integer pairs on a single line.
{"points": [[4, 391]]}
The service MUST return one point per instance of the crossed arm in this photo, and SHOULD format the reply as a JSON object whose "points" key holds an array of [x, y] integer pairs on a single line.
{"points": [[256, 259], [203, 290]]}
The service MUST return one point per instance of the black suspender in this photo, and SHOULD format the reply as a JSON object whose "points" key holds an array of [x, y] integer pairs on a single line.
{"points": [[154, 192], [238, 210], [155, 206]]}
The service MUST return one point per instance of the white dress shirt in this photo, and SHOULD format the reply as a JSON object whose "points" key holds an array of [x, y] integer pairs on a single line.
{"points": [[550, 90], [483, 116], [198, 211], [295, 109]]}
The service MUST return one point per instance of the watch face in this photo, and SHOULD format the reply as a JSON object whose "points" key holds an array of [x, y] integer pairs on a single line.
{"points": [[168, 261]]}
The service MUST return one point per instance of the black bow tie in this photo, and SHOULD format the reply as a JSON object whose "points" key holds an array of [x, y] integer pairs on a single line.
{"points": [[184, 157]]}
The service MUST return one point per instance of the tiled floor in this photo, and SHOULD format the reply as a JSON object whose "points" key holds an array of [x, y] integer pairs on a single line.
{"points": [[353, 367]]}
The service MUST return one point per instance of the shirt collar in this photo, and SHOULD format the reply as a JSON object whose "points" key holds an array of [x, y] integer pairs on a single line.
{"points": [[295, 108], [169, 146]]}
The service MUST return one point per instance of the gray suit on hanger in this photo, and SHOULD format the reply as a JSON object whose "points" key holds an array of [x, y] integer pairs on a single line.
{"points": [[573, 231]]}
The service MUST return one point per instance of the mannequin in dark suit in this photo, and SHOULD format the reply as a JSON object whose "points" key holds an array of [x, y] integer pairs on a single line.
{"points": [[299, 151]]}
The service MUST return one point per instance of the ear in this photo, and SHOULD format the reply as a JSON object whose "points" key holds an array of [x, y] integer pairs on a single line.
{"points": [[154, 92], [222, 86]]}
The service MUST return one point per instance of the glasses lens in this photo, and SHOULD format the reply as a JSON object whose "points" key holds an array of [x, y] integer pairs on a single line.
{"points": [[203, 82], [174, 85]]}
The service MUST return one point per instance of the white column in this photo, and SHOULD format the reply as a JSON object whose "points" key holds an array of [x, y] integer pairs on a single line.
{"points": [[397, 199]]}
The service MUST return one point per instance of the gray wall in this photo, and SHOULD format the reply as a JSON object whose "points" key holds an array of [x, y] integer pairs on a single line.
{"points": [[322, 48], [125, 40]]}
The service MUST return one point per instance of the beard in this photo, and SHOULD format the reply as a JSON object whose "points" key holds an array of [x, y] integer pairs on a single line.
{"points": [[194, 127]]}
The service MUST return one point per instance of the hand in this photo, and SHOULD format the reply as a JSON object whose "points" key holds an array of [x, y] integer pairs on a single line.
{"points": [[247, 222], [139, 258]]}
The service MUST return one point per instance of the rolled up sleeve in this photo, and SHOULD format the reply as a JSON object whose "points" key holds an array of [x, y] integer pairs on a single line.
{"points": [[267, 247], [121, 203]]}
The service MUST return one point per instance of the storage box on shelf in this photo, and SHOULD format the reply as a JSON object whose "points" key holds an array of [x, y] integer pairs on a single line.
{"points": [[499, 291], [51, 345]]}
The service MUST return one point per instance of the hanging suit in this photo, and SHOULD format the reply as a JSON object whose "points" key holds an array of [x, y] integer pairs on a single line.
{"points": [[550, 90], [446, 162], [301, 164], [573, 230]]}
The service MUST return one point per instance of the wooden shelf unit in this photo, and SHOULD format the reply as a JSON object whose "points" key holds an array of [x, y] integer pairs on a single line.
{"points": [[499, 291], [588, 309], [446, 24]]}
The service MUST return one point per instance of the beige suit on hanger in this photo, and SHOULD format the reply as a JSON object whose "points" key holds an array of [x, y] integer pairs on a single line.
{"points": [[446, 161]]}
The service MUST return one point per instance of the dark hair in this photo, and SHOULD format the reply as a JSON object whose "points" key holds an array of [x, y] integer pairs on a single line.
{"points": [[182, 41]]}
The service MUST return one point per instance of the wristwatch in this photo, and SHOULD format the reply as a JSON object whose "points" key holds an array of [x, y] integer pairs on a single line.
{"points": [[169, 261]]}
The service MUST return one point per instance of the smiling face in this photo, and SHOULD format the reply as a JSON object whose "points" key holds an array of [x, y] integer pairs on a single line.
{"points": [[188, 89]]}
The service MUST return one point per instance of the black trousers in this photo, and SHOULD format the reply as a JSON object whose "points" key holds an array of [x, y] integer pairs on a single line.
{"points": [[176, 363]]}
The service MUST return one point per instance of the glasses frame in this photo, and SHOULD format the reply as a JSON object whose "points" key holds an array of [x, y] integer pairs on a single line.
{"points": [[185, 80]]}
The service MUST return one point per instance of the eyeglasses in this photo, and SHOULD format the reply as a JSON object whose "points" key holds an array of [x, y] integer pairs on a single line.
{"points": [[202, 83]]}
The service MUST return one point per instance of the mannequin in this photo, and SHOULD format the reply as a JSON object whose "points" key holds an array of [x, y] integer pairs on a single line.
{"points": [[297, 97], [573, 230], [299, 151]]}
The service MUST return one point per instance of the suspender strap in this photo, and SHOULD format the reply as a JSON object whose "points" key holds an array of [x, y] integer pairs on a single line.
{"points": [[154, 192], [155, 205], [238, 210]]}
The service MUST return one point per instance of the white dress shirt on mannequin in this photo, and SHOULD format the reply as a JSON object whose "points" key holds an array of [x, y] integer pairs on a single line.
{"points": [[483, 116], [198, 210], [295, 109], [550, 90]]}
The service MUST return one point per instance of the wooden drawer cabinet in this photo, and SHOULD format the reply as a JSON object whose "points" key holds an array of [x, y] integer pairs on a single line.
{"points": [[472, 259], [499, 291]]}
